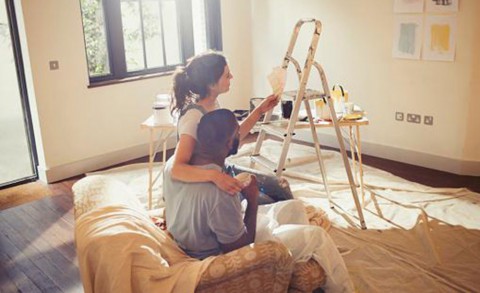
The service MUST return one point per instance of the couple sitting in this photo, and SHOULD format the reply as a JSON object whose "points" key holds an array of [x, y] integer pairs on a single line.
{"points": [[206, 220]]}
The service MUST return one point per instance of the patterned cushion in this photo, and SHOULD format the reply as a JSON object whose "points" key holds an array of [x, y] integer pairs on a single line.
{"points": [[307, 276], [97, 191], [263, 267]]}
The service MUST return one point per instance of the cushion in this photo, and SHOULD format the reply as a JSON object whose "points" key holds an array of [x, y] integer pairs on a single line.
{"points": [[307, 276]]}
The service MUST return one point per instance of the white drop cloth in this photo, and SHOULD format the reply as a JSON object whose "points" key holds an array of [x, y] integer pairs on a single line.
{"points": [[287, 223], [419, 238]]}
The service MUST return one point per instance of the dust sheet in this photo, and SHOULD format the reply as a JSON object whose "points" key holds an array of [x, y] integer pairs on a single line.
{"points": [[419, 238]]}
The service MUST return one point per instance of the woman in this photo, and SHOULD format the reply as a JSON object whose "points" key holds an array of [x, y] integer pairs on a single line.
{"points": [[195, 90]]}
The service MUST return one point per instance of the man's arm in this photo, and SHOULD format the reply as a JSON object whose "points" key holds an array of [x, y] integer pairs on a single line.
{"points": [[250, 220]]}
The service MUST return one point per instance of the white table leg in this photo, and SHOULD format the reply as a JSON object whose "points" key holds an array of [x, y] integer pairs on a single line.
{"points": [[164, 158], [151, 156], [359, 154], [352, 152]]}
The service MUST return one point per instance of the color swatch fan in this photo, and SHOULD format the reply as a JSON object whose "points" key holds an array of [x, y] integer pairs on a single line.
{"points": [[277, 79]]}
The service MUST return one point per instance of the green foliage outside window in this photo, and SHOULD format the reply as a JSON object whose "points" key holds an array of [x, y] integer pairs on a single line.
{"points": [[95, 37], [126, 38]]}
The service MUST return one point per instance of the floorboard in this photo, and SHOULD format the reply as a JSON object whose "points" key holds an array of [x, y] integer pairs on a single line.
{"points": [[37, 252], [59, 232], [14, 279], [21, 257]]}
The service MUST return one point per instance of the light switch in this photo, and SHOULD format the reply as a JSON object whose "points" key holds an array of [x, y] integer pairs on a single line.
{"points": [[428, 120], [53, 65], [414, 118], [399, 116]]}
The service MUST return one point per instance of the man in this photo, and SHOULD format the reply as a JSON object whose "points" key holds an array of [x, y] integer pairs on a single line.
{"points": [[203, 219], [206, 221]]}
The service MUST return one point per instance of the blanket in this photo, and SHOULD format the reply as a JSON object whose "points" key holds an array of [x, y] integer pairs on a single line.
{"points": [[287, 223], [121, 250], [419, 238]]}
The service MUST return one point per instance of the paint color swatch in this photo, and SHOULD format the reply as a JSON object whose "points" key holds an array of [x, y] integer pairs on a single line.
{"points": [[440, 37], [407, 38], [406, 42]]}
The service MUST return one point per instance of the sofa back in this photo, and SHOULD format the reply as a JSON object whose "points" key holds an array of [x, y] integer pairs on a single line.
{"points": [[98, 191]]}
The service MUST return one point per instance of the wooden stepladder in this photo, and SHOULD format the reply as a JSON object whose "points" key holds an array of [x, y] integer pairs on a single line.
{"points": [[304, 95]]}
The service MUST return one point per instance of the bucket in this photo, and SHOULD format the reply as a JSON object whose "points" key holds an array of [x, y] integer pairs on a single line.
{"points": [[321, 110], [339, 97], [161, 109]]}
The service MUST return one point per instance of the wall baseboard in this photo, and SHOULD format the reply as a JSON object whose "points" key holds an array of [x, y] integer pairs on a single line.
{"points": [[455, 166], [57, 173]]}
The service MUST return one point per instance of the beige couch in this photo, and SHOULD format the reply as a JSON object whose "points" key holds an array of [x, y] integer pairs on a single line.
{"points": [[264, 267]]}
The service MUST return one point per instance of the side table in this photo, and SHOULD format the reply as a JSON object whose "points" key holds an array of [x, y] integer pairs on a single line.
{"points": [[353, 137], [355, 147], [164, 131]]}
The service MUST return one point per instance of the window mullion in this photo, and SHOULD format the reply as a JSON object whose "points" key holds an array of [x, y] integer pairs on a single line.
{"points": [[116, 47], [162, 30], [214, 24], [184, 14], [143, 35]]}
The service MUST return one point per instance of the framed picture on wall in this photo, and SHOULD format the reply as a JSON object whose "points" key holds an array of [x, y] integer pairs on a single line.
{"points": [[442, 6], [407, 36], [408, 6], [440, 38]]}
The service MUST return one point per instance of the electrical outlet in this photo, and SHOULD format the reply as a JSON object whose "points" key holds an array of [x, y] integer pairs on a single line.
{"points": [[399, 116], [428, 120], [414, 118], [53, 65]]}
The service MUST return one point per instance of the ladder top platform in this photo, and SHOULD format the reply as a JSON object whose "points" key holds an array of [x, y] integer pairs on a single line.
{"points": [[308, 95], [318, 124]]}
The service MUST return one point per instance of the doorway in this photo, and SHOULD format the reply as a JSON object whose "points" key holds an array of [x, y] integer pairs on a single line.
{"points": [[17, 151]]}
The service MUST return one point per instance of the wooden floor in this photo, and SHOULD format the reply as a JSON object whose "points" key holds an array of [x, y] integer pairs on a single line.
{"points": [[37, 251]]}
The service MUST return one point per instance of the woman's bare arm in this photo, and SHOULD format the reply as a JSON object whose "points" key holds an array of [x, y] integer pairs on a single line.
{"points": [[247, 124], [183, 171]]}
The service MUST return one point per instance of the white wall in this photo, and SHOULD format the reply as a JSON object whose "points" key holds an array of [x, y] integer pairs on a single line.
{"points": [[237, 46], [472, 139], [355, 50], [80, 129]]}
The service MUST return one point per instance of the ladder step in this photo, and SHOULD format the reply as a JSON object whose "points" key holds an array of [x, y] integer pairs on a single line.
{"points": [[275, 129], [264, 162], [309, 94]]}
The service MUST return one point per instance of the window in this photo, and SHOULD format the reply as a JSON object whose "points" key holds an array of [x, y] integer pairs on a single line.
{"points": [[125, 38]]}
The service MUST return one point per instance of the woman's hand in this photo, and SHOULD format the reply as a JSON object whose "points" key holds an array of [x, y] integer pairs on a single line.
{"points": [[227, 183], [268, 103]]}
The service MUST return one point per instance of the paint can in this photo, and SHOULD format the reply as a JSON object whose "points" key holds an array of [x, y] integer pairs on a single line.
{"points": [[161, 109]]}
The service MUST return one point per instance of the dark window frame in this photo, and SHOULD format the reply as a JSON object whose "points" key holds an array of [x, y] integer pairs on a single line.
{"points": [[22, 84], [116, 49]]}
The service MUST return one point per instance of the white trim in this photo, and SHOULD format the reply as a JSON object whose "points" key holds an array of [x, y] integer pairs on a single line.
{"points": [[76, 168], [451, 165], [456, 166]]}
